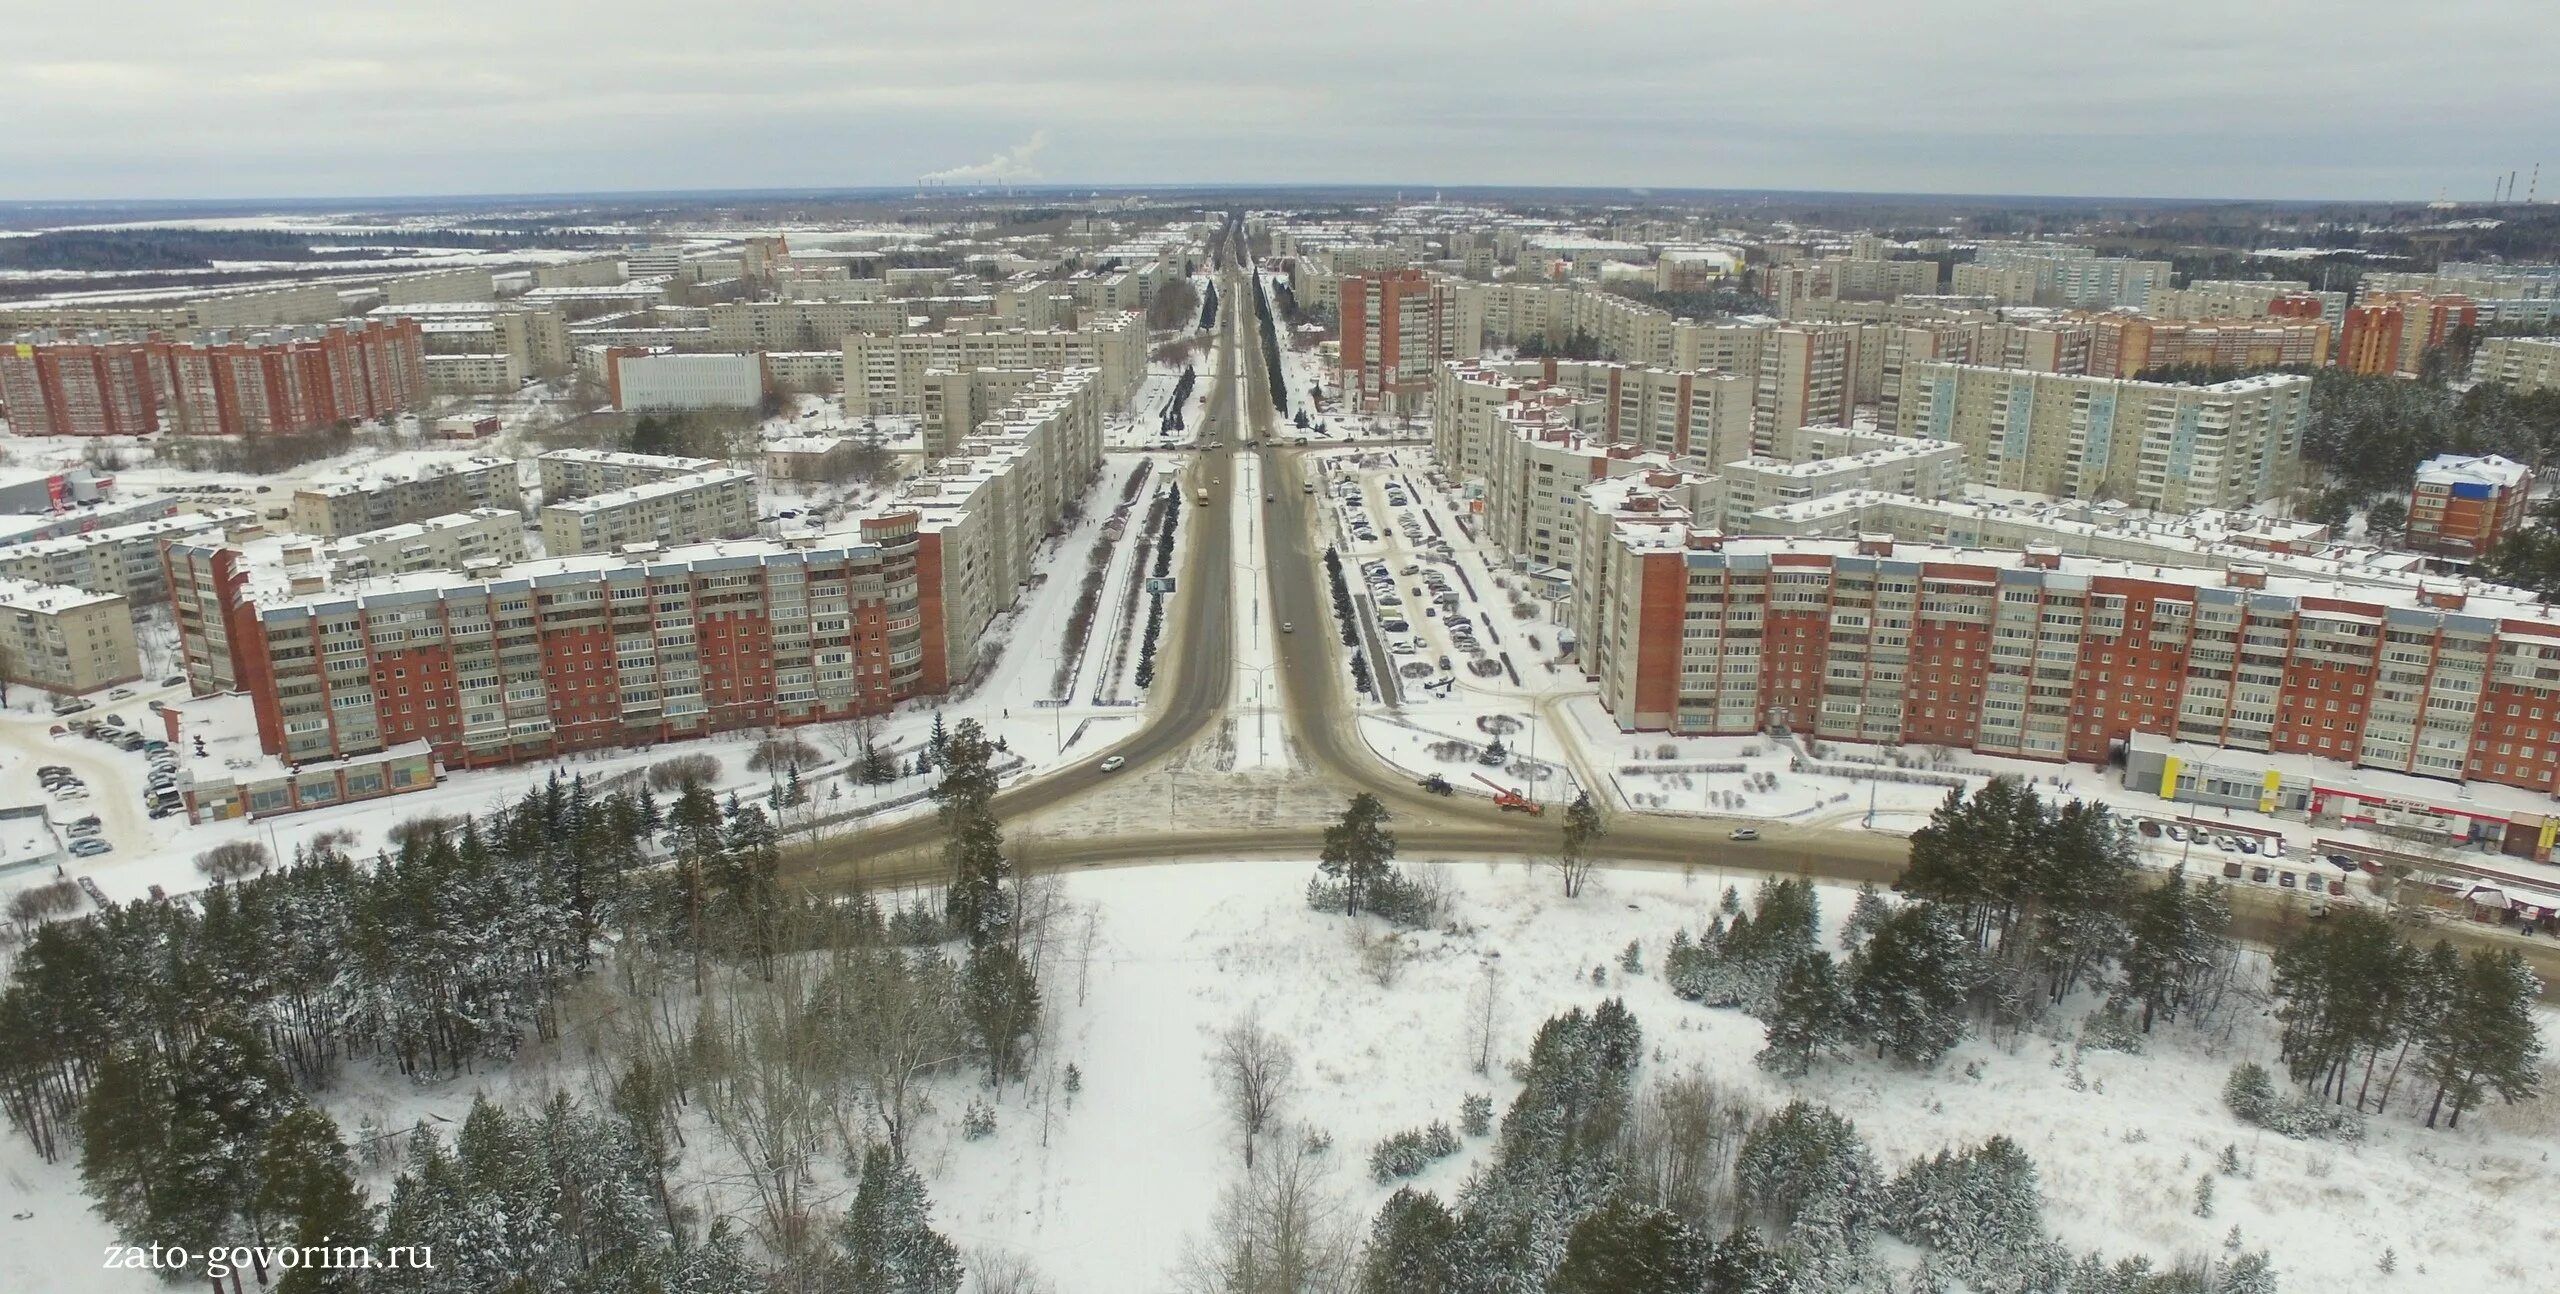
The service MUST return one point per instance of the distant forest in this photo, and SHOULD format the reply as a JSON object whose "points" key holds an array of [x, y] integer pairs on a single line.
{"points": [[142, 250]]}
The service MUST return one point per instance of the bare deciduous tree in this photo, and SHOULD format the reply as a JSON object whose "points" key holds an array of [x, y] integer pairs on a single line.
{"points": [[1484, 1011], [1278, 1230], [1256, 1072], [1003, 1271]]}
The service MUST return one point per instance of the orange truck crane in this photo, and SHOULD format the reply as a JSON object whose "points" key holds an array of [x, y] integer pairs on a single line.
{"points": [[1511, 801]]}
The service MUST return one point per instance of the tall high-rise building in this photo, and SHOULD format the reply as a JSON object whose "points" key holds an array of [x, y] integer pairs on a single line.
{"points": [[1803, 381], [2391, 332], [1398, 327], [79, 388]]}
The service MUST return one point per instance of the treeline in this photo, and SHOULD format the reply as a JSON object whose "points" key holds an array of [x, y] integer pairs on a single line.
{"points": [[2367, 434], [132, 250], [176, 1044], [2014, 904], [1594, 1187], [1270, 346], [448, 951]]}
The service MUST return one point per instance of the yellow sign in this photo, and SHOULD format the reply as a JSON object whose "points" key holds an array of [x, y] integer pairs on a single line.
{"points": [[2169, 778], [2267, 793], [2550, 833]]}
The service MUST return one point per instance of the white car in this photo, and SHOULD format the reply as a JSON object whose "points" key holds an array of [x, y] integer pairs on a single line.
{"points": [[1114, 764], [1743, 833]]}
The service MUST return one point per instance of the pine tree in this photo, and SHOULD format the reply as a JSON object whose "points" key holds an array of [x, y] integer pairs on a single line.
{"points": [[1582, 826], [1865, 913], [1628, 1248], [2175, 935], [1810, 1177], [1908, 985], [973, 844], [1808, 1015], [307, 1186], [124, 1138], [1002, 1004], [1412, 1247], [2486, 1043], [1359, 852], [887, 1236]]}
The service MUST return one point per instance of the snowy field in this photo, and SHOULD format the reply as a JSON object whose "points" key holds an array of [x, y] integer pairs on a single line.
{"points": [[1103, 1191]]}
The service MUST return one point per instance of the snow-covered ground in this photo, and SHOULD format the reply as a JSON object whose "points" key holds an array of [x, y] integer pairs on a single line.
{"points": [[1134, 1163]]}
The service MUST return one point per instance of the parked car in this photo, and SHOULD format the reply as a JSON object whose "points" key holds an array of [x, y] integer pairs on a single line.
{"points": [[90, 848], [120, 694], [174, 680]]}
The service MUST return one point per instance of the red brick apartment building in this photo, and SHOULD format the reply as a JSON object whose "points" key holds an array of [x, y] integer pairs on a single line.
{"points": [[2391, 332], [1398, 326], [2460, 505], [272, 382], [2040, 656]]}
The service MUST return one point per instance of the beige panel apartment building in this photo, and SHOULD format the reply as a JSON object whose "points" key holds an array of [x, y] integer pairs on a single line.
{"points": [[123, 561], [575, 473], [447, 543], [65, 640], [353, 504], [717, 504], [2164, 446], [2525, 363], [890, 374]]}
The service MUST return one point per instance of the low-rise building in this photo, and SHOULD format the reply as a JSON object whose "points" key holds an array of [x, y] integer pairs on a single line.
{"points": [[658, 383], [454, 542], [120, 560], [2462, 504], [808, 458], [65, 640], [388, 494], [1827, 461], [717, 504], [575, 473]]}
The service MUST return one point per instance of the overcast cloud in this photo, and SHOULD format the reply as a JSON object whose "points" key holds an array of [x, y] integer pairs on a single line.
{"points": [[2218, 98]]}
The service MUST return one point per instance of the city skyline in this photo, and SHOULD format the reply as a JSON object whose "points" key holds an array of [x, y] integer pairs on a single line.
{"points": [[2182, 102]]}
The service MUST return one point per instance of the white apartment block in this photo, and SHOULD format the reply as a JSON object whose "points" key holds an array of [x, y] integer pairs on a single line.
{"points": [[1534, 483], [717, 504], [2039, 275], [686, 382], [119, 560], [65, 640], [575, 473], [1828, 461], [2242, 299], [2164, 446], [800, 325], [1703, 415], [891, 374], [474, 373], [388, 496], [1804, 379], [448, 543], [2525, 363]]}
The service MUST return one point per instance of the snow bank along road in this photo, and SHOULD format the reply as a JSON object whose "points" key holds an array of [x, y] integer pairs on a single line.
{"points": [[1192, 694]]}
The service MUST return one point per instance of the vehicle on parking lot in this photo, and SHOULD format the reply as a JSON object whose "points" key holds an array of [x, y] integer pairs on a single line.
{"points": [[1114, 764], [1743, 833], [83, 830], [174, 680], [120, 694], [2147, 827], [90, 848]]}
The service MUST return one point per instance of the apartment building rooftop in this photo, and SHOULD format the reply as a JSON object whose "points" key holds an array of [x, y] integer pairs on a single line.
{"points": [[399, 469], [655, 489], [185, 523], [48, 599], [622, 458], [2473, 469]]}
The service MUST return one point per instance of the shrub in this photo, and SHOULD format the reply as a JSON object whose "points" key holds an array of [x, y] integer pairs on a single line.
{"points": [[670, 775], [1475, 1114], [2110, 1028], [419, 828], [2252, 1096], [776, 754], [978, 1122], [1410, 1151], [230, 862], [29, 906]]}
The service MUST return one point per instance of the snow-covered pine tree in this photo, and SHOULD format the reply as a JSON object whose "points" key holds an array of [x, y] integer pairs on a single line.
{"points": [[1865, 912], [1807, 1016], [1629, 1248], [887, 1234], [1411, 1247], [2486, 1043], [1907, 987]]}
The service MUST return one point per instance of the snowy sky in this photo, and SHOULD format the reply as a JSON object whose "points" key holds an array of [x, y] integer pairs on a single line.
{"points": [[2275, 98]]}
